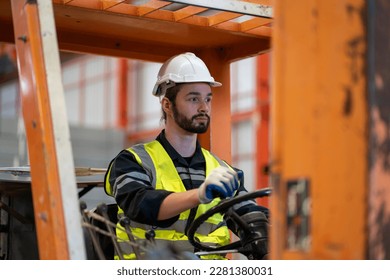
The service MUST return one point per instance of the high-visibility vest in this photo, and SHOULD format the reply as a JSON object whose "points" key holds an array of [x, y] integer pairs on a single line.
{"points": [[159, 166]]}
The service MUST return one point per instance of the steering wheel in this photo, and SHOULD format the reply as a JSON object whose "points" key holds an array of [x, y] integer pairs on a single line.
{"points": [[222, 207]]}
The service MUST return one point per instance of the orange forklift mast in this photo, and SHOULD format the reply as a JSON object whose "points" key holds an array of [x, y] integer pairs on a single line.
{"points": [[329, 128]]}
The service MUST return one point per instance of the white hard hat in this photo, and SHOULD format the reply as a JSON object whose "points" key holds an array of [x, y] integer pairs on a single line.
{"points": [[183, 68]]}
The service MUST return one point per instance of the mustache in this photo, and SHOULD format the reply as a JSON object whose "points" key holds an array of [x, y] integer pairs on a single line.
{"points": [[201, 115]]}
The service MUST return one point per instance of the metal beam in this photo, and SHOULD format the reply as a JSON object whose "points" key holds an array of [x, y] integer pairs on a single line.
{"points": [[319, 150], [56, 209], [235, 6], [262, 124], [122, 116], [218, 139]]}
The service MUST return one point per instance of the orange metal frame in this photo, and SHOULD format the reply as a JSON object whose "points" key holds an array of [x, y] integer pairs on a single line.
{"points": [[262, 129], [122, 93], [48, 208], [319, 130]]}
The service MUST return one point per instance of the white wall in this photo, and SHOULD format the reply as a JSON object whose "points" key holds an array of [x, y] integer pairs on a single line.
{"points": [[243, 87]]}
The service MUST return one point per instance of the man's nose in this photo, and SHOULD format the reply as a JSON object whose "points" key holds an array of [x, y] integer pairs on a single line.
{"points": [[204, 106]]}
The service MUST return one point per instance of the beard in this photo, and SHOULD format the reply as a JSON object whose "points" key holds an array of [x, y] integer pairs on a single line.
{"points": [[190, 124]]}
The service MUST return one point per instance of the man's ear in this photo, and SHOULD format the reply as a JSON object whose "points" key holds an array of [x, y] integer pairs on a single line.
{"points": [[166, 105]]}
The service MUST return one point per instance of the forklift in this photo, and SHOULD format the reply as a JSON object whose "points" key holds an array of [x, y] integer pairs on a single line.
{"points": [[329, 140]]}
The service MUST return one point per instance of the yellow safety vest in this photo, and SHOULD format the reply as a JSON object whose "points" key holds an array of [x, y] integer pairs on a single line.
{"points": [[159, 166]]}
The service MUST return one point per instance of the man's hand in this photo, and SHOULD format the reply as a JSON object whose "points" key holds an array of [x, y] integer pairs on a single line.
{"points": [[221, 182]]}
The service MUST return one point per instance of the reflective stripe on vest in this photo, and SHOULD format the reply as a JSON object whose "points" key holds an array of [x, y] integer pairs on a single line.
{"points": [[163, 174]]}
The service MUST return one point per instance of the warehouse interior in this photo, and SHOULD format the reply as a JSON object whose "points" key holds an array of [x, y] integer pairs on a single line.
{"points": [[304, 110]]}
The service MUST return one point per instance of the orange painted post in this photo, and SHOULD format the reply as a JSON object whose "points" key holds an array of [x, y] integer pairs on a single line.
{"points": [[122, 115], [319, 139], [219, 138], [53, 232], [262, 124]]}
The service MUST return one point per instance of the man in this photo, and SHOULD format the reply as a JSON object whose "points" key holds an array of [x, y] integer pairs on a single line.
{"points": [[162, 186]]}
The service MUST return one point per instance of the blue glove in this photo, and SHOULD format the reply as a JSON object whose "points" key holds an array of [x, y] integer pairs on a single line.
{"points": [[222, 182]]}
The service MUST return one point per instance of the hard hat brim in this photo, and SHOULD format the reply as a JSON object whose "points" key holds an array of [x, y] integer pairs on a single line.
{"points": [[212, 84]]}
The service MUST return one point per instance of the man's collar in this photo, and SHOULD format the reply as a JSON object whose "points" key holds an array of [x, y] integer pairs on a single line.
{"points": [[171, 150]]}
